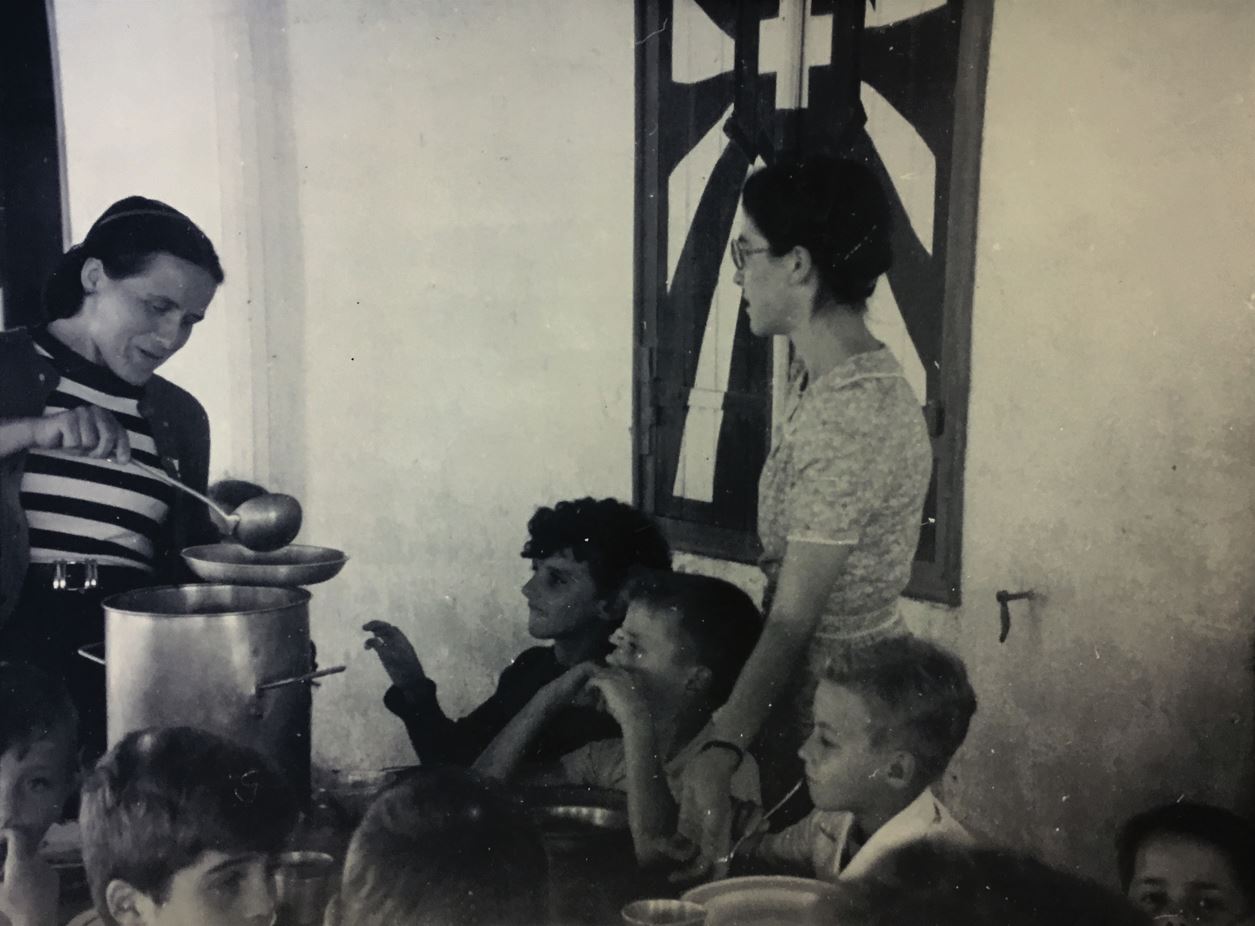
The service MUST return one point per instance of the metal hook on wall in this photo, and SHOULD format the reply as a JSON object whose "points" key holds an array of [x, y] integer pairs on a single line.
{"points": [[1004, 609]]}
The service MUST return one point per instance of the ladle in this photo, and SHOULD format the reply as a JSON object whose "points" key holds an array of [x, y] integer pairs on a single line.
{"points": [[264, 523]]}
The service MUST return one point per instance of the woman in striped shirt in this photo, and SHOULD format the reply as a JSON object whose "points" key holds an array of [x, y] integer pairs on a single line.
{"points": [[79, 399]]}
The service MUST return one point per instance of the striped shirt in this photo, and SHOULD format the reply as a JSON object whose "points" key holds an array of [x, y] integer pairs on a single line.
{"points": [[78, 507]]}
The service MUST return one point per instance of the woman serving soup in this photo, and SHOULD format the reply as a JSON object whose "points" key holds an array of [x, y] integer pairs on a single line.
{"points": [[842, 492], [79, 400]]}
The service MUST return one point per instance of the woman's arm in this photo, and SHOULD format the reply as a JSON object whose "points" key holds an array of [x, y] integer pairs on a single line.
{"points": [[807, 576], [88, 429], [16, 435]]}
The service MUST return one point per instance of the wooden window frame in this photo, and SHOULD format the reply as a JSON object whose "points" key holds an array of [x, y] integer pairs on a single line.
{"points": [[937, 579]]}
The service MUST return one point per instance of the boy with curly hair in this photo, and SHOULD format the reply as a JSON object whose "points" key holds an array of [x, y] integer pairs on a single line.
{"points": [[582, 552]]}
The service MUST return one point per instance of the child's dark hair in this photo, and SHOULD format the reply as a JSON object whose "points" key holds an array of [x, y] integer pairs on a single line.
{"points": [[918, 691], [722, 620], [125, 239], [162, 797], [836, 209], [611, 537], [441, 847], [33, 705], [1230, 834], [932, 883]]}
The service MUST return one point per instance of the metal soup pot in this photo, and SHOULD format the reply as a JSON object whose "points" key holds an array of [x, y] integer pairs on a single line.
{"points": [[232, 659]]}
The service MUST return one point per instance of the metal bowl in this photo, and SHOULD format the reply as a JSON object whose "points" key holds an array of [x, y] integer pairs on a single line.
{"points": [[293, 565], [571, 817]]}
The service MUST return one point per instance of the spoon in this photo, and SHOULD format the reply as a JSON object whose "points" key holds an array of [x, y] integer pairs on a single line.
{"points": [[727, 859], [264, 523]]}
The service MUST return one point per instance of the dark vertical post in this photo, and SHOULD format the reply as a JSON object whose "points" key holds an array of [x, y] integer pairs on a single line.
{"points": [[30, 157]]}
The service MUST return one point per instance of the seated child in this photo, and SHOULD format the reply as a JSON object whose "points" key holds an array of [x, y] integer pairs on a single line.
{"points": [[683, 642], [581, 553], [1189, 863], [939, 883], [181, 826], [38, 772], [443, 847], [888, 718]]}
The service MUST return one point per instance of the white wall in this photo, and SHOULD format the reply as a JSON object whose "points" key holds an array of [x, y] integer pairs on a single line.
{"points": [[465, 198], [1109, 460]]}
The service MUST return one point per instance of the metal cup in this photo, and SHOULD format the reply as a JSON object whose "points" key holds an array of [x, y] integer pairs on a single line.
{"points": [[663, 913], [303, 885]]}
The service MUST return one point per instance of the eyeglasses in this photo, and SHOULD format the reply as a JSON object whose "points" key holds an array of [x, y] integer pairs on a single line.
{"points": [[740, 252]]}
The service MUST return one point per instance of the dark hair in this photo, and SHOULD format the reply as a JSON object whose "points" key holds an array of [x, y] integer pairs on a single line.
{"points": [[125, 239], [1220, 828], [920, 692], [162, 797], [33, 705], [441, 847], [933, 883], [835, 209], [722, 620], [611, 537]]}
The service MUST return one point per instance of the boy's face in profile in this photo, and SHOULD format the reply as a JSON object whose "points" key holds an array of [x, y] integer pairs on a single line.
{"points": [[218, 889], [35, 780], [1178, 874], [651, 645], [844, 770], [562, 598]]}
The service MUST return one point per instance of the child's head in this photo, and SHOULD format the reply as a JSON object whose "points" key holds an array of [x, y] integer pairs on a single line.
{"points": [[888, 718], [582, 552], [180, 827], [1194, 862], [686, 636], [38, 749], [933, 883], [444, 847]]}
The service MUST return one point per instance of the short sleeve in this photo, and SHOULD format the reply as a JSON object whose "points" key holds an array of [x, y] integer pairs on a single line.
{"points": [[596, 765], [835, 467]]}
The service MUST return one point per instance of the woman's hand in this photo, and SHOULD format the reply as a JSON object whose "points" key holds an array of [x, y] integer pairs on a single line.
{"points": [[396, 653], [707, 801], [31, 889], [88, 430]]}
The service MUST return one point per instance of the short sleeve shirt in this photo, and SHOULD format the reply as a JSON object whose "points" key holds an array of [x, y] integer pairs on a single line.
{"points": [[603, 765], [852, 467]]}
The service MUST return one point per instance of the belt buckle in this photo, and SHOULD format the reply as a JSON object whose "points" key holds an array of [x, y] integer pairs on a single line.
{"points": [[61, 576]]}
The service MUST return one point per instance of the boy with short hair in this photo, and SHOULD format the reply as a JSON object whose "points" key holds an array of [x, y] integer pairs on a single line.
{"points": [[443, 847], [676, 657], [181, 826], [38, 772], [1189, 862], [888, 718], [581, 551]]}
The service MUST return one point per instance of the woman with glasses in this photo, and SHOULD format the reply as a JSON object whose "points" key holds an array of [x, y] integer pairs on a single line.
{"points": [[841, 495], [79, 400]]}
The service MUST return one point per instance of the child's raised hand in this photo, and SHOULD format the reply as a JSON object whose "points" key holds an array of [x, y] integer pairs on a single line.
{"points": [[31, 888], [396, 653], [623, 698]]}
